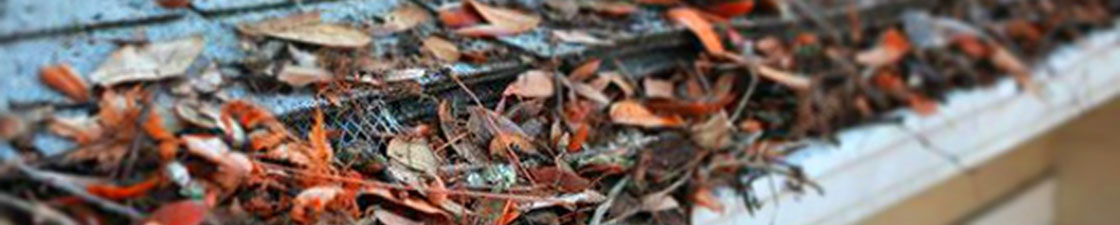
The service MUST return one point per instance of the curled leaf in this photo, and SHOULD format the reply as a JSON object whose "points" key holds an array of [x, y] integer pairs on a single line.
{"points": [[64, 79], [692, 19]]}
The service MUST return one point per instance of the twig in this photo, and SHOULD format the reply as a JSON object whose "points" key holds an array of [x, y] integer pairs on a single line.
{"points": [[474, 97], [37, 209], [597, 218], [746, 97], [58, 181]]}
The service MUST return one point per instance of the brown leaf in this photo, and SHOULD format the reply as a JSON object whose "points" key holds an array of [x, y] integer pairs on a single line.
{"points": [[487, 124], [64, 79], [532, 84], [789, 80], [502, 21], [151, 62], [405, 17], [282, 23], [314, 199], [185, 212], [565, 181], [299, 76], [692, 19], [414, 154], [715, 133], [892, 46], [330, 35], [659, 202], [457, 17], [656, 88], [442, 49], [629, 112], [586, 70]]}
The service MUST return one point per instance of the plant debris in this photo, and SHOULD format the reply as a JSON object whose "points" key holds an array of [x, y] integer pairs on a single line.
{"points": [[625, 130]]}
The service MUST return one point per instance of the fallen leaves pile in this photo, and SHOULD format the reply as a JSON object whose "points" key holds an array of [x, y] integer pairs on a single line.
{"points": [[158, 139]]}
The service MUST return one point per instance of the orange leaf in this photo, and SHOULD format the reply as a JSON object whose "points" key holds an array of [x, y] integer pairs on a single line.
{"points": [[321, 153], [64, 79], [509, 213], [501, 21], [703, 197], [154, 126], [485, 30], [117, 193], [532, 84], [695, 22], [185, 212], [456, 17], [629, 112], [971, 46], [583, 72], [698, 108], [922, 105], [892, 47], [563, 180], [728, 9], [578, 137]]}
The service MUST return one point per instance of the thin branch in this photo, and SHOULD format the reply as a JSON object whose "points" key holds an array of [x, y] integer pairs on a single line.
{"points": [[58, 181], [38, 209], [746, 97], [597, 218]]}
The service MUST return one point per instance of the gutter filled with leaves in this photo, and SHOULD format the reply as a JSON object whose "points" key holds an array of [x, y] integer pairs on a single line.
{"points": [[505, 112]]}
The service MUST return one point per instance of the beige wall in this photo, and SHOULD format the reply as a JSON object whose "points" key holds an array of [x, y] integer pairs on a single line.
{"points": [[1082, 156]]}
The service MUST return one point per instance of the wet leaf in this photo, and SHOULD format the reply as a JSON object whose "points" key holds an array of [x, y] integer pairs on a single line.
{"points": [[150, 62], [63, 78], [405, 17], [892, 46], [532, 84], [656, 88], [442, 49], [185, 212], [413, 154], [633, 113], [699, 26]]}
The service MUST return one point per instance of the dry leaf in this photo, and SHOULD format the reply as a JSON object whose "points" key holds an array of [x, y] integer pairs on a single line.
{"points": [[64, 79], [155, 61], [588, 196], [589, 92], [504, 142], [586, 70], [1007, 62], [509, 213], [414, 154], [299, 76], [330, 35], [891, 48], [629, 112], [715, 133], [566, 8], [82, 129], [699, 26], [198, 113], [501, 21], [565, 181], [185, 212], [442, 49], [405, 17], [315, 199], [659, 202], [282, 23], [389, 218], [656, 88], [209, 148], [486, 124], [660, 2], [532, 84], [578, 37]]}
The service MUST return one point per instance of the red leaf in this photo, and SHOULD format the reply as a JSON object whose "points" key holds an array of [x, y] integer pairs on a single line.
{"points": [[922, 105], [116, 193], [186, 212], [509, 213], [728, 9], [695, 22], [456, 17]]}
